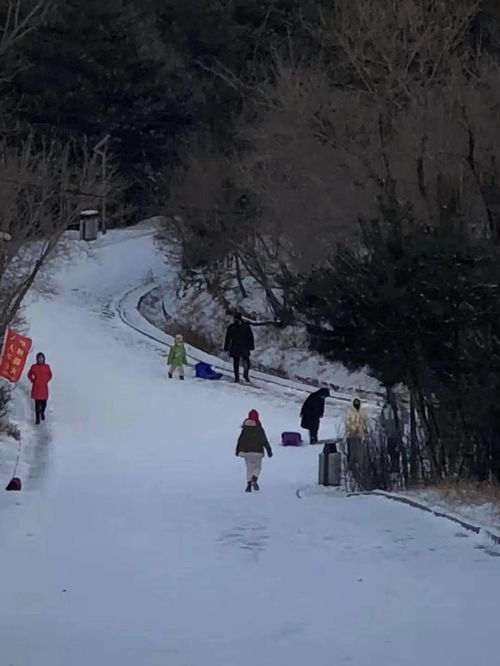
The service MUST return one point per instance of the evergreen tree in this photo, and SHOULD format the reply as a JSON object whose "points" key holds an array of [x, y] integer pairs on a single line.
{"points": [[93, 71], [419, 308], [228, 48]]}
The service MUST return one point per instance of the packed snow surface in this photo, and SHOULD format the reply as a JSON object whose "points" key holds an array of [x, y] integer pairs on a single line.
{"points": [[134, 543]]}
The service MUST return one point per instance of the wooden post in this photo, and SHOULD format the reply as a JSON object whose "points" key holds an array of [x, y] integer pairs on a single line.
{"points": [[105, 187], [413, 440], [239, 279], [101, 149]]}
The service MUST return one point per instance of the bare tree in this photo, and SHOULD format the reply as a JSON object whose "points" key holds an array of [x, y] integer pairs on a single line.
{"points": [[413, 96], [19, 19], [277, 205], [41, 193], [390, 46], [398, 105]]}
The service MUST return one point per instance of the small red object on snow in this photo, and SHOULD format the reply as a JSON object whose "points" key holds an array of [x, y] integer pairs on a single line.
{"points": [[14, 484]]}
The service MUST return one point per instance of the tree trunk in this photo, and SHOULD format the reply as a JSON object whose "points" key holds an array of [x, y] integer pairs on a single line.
{"points": [[254, 268], [239, 278], [413, 441]]}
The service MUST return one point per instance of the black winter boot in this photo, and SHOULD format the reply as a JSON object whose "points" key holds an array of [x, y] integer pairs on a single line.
{"points": [[181, 378], [170, 375], [249, 487], [254, 483]]}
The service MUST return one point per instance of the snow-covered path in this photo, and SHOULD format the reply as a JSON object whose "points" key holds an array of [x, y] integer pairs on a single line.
{"points": [[137, 545]]}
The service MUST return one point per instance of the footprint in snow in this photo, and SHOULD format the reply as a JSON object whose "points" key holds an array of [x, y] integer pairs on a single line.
{"points": [[253, 538]]}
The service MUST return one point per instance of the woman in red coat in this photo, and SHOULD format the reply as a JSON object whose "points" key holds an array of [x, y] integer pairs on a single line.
{"points": [[40, 375]]}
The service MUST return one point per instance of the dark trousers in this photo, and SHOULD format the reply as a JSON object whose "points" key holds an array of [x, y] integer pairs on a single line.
{"points": [[40, 407], [245, 361], [313, 431]]}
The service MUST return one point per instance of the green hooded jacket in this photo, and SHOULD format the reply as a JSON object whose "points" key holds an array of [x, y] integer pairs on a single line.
{"points": [[177, 355]]}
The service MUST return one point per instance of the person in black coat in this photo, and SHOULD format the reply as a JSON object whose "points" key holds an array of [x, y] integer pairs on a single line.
{"points": [[239, 343], [312, 411]]}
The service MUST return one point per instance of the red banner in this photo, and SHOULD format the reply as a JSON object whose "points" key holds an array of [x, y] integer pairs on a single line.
{"points": [[15, 351]]}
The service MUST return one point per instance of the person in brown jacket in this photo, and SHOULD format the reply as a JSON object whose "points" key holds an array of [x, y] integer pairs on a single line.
{"points": [[251, 445]]}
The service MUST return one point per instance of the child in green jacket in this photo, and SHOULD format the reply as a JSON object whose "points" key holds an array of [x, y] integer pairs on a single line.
{"points": [[177, 358]]}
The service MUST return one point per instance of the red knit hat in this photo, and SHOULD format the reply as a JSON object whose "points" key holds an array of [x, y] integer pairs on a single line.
{"points": [[253, 415]]}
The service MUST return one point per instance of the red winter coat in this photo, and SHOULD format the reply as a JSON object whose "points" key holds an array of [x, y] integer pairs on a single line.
{"points": [[40, 375]]}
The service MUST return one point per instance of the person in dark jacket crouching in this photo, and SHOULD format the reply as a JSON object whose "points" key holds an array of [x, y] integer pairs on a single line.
{"points": [[239, 343], [312, 412], [251, 445]]}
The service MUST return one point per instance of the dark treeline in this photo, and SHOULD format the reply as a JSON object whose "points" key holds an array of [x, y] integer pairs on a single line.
{"points": [[150, 73], [160, 75]]}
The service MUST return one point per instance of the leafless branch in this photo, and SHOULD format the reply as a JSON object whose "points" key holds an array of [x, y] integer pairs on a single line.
{"points": [[22, 18]]}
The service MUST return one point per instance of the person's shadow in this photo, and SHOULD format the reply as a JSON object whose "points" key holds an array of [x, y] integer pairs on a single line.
{"points": [[38, 457]]}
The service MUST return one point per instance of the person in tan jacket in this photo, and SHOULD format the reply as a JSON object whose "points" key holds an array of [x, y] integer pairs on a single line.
{"points": [[252, 443], [356, 428], [356, 420]]}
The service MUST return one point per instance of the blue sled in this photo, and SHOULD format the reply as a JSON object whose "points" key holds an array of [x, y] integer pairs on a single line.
{"points": [[205, 371]]}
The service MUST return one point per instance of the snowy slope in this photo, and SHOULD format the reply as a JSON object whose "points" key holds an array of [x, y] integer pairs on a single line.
{"points": [[128, 308], [282, 351], [136, 544]]}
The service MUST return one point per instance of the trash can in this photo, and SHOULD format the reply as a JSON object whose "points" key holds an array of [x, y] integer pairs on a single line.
{"points": [[330, 464], [89, 225]]}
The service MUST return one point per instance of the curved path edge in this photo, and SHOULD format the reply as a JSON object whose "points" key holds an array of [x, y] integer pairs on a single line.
{"points": [[127, 307], [439, 513]]}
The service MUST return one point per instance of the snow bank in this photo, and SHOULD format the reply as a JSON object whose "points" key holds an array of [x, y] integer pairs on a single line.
{"points": [[282, 352], [126, 305], [485, 514], [24, 458]]}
